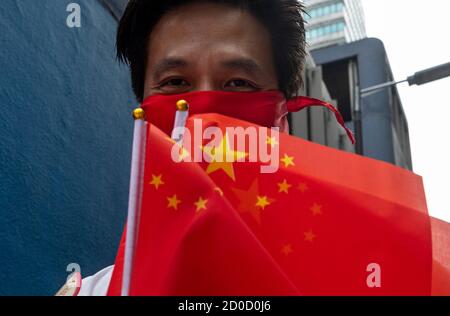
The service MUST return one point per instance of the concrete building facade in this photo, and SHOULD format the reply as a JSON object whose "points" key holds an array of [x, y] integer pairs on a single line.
{"points": [[318, 124], [331, 22], [358, 65]]}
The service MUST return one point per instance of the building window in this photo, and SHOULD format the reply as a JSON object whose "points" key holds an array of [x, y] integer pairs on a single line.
{"points": [[324, 10], [325, 30]]}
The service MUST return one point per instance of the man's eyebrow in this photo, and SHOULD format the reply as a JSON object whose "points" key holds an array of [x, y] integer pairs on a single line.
{"points": [[167, 64], [246, 64]]}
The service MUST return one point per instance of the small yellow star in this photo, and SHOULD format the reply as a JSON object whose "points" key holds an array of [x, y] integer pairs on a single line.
{"points": [[262, 201], [272, 141], [288, 161], [303, 187], [284, 187], [200, 204], [173, 202], [309, 236], [157, 181], [287, 249], [316, 209]]}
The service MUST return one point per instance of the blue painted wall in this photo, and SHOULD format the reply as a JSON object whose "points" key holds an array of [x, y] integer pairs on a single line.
{"points": [[65, 141]]}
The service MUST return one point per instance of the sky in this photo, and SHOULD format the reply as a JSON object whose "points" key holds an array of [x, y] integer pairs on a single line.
{"points": [[416, 37]]}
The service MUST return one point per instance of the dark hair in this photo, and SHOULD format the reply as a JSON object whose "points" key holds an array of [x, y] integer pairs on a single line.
{"points": [[282, 18]]}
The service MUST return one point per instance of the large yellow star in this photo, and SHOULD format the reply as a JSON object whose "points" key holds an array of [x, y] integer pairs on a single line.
{"points": [[200, 204], [219, 156], [288, 161], [173, 202], [262, 201], [284, 187], [247, 198], [157, 181]]}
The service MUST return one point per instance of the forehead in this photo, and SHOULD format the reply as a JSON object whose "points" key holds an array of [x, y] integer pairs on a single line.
{"points": [[201, 30]]}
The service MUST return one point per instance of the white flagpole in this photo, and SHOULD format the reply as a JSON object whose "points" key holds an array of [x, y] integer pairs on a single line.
{"points": [[135, 194], [180, 121]]}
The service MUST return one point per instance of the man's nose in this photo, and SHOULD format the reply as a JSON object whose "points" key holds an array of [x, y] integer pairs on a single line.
{"points": [[206, 84]]}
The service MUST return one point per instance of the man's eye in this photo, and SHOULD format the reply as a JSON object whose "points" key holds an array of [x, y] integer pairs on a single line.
{"points": [[238, 83], [175, 82], [241, 85], [174, 85]]}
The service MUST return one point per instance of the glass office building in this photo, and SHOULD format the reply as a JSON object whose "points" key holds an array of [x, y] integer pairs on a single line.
{"points": [[331, 22]]}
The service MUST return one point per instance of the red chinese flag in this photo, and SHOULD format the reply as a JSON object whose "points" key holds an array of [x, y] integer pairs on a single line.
{"points": [[441, 257], [326, 223]]}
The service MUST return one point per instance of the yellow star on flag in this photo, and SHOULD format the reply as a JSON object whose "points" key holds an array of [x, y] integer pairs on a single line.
{"points": [[287, 249], [200, 204], [157, 181], [303, 187], [309, 236], [247, 199], [283, 187], [219, 156], [316, 209], [272, 141], [288, 161], [262, 201], [173, 202]]}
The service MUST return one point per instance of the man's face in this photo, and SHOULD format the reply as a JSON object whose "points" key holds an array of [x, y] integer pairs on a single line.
{"points": [[207, 46]]}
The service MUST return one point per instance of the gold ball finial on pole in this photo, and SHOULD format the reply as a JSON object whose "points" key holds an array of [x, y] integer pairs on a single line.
{"points": [[182, 106], [139, 114]]}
